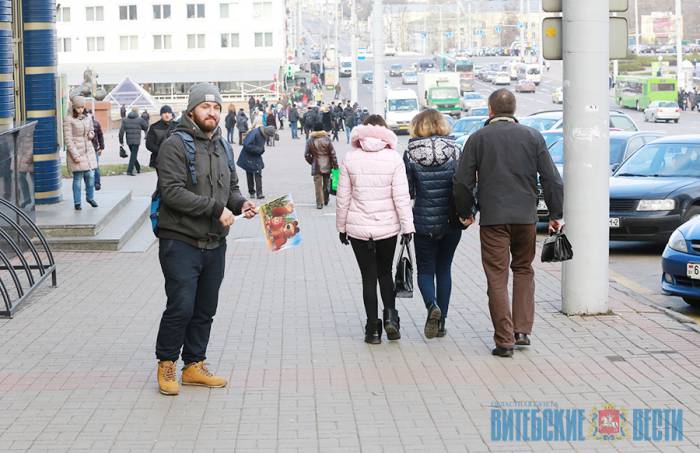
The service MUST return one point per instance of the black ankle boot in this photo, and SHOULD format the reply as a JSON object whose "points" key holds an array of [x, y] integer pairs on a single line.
{"points": [[441, 328], [392, 324], [431, 323], [373, 332]]}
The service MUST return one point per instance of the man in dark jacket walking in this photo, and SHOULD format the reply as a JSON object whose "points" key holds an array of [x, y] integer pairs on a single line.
{"points": [[507, 158], [158, 132], [251, 105], [309, 120], [132, 126], [193, 222], [242, 125], [251, 159], [294, 121], [349, 120]]}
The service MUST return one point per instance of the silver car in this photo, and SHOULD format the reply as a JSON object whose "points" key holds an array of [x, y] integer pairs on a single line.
{"points": [[662, 111], [409, 78]]}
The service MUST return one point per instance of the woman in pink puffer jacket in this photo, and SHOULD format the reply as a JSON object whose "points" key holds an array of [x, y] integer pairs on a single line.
{"points": [[373, 207]]}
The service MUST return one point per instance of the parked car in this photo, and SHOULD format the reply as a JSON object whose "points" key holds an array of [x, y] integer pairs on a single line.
{"points": [[471, 100], [558, 95], [489, 76], [479, 111], [470, 128], [525, 86], [680, 263], [656, 189], [368, 77], [450, 120], [501, 78], [662, 111], [395, 70], [468, 125], [554, 119], [409, 78]]}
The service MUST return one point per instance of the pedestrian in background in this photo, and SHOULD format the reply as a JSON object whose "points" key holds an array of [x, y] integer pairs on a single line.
{"points": [[508, 159], [242, 125], [293, 120], [373, 207], [271, 121], [320, 154], [431, 161], [251, 159], [98, 142], [122, 111], [348, 121], [230, 122], [158, 132], [309, 121], [257, 119], [78, 133], [132, 126]]}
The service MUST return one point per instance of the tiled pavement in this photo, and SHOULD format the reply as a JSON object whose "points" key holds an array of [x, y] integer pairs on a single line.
{"points": [[77, 367]]}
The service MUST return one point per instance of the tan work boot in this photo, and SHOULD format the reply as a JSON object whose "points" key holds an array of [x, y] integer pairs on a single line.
{"points": [[198, 374], [167, 378]]}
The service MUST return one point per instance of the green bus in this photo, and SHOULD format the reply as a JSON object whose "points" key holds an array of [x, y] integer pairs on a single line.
{"points": [[637, 92]]}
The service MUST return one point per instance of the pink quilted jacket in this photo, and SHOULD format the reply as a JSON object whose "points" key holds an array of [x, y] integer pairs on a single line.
{"points": [[373, 199]]}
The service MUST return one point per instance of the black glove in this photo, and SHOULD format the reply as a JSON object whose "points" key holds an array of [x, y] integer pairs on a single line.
{"points": [[344, 238], [406, 238]]}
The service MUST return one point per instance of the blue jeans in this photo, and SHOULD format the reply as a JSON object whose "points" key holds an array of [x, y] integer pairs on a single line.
{"points": [[434, 260], [293, 127], [192, 280], [97, 172], [78, 177], [347, 133]]}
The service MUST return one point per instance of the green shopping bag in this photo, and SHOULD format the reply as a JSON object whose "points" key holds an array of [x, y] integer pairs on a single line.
{"points": [[335, 176]]}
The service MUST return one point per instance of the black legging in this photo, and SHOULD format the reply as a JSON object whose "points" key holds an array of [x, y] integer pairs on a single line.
{"points": [[376, 265]]}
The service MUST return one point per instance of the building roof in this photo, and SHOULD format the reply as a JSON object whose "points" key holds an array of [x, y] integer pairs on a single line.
{"points": [[176, 71]]}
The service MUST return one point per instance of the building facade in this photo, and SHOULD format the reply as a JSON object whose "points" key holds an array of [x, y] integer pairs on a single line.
{"points": [[167, 45]]}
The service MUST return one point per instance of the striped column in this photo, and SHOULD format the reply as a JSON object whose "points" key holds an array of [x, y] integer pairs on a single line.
{"points": [[7, 85], [40, 95]]}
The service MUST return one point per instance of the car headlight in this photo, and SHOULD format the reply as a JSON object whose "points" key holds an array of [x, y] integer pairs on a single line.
{"points": [[677, 242], [656, 205]]}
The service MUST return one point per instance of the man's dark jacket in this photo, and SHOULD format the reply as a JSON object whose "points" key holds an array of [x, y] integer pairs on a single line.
{"points": [[349, 117], [293, 115], [132, 126], [157, 133], [507, 157], [320, 153], [188, 212], [250, 158], [242, 122]]}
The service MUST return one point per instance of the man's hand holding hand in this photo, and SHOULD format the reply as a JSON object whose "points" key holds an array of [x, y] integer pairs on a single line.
{"points": [[466, 222]]}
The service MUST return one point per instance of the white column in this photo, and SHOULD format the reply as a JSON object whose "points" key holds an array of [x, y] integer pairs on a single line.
{"points": [[378, 44], [636, 26], [353, 51], [586, 38], [679, 45]]}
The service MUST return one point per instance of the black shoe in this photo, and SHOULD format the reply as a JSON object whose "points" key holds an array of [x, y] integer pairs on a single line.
{"points": [[78, 207], [373, 332], [98, 186], [392, 324], [522, 339], [138, 170], [441, 328], [251, 194], [319, 206], [130, 174], [261, 196], [502, 352], [92, 203], [431, 323]]}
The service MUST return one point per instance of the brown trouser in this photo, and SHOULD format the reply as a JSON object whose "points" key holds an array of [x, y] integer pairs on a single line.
{"points": [[322, 184], [498, 243]]}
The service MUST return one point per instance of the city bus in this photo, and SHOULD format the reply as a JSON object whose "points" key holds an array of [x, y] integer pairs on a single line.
{"points": [[465, 68], [637, 92]]}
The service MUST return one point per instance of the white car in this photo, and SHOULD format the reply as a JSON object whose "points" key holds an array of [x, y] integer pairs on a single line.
{"points": [[558, 96], [662, 111], [389, 51], [502, 78], [471, 100]]}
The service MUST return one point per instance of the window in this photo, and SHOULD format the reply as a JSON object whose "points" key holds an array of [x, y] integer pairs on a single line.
{"points": [[64, 44], [225, 9], [95, 43], [128, 42], [162, 42], [262, 9], [229, 40], [161, 11], [127, 12], [95, 13], [195, 41], [263, 40], [63, 14], [195, 10]]}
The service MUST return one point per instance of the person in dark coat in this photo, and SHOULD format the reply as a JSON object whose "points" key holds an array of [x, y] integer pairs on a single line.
{"points": [[320, 154], [230, 122], [348, 120], [158, 132], [327, 119], [132, 126], [242, 125], [431, 161], [146, 116], [98, 142], [122, 111], [508, 158], [251, 105], [251, 159], [294, 121], [309, 120], [271, 121]]}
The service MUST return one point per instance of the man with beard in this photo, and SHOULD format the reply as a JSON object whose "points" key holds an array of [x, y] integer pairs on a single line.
{"points": [[193, 221]]}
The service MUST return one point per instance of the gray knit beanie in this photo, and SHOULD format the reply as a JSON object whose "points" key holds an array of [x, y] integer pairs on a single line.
{"points": [[203, 92]]}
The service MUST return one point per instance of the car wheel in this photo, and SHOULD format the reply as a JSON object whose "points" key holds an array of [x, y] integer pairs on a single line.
{"points": [[675, 121], [691, 213], [692, 301]]}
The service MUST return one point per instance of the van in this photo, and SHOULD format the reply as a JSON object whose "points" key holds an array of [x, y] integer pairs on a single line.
{"points": [[400, 108], [345, 67]]}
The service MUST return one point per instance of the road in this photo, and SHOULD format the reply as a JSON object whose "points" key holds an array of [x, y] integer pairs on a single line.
{"points": [[636, 266]]}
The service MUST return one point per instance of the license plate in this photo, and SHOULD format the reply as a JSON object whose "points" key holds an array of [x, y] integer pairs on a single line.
{"points": [[614, 222], [694, 271], [541, 205]]}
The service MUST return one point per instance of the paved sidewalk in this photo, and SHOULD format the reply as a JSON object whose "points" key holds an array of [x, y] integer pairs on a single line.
{"points": [[77, 368]]}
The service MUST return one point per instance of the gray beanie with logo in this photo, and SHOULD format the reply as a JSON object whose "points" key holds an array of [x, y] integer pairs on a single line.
{"points": [[203, 92]]}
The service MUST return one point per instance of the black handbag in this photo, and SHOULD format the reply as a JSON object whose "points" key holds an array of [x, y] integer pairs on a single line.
{"points": [[403, 280], [122, 152], [557, 248]]}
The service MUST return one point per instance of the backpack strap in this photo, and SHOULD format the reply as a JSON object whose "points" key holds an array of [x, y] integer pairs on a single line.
{"points": [[188, 141], [229, 154]]}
